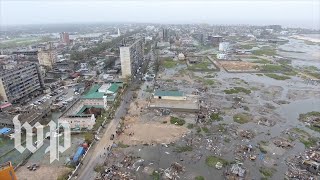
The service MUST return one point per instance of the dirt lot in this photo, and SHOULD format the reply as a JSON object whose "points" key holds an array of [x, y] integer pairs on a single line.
{"points": [[151, 133], [44, 172], [238, 66]]}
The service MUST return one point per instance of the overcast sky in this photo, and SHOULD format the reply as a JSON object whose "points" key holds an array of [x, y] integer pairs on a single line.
{"points": [[304, 13]]}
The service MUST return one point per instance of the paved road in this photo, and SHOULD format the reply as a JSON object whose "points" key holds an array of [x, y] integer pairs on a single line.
{"points": [[96, 155]]}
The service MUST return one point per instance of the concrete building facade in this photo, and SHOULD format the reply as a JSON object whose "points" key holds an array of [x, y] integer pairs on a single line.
{"points": [[64, 37], [131, 57], [47, 58], [18, 84]]}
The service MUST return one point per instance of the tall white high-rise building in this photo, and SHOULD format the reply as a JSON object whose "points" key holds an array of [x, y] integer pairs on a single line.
{"points": [[131, 57]]}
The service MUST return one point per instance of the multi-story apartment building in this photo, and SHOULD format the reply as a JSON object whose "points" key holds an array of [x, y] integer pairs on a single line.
{"points": [[131, 56], [47, 58], [20, 83]]}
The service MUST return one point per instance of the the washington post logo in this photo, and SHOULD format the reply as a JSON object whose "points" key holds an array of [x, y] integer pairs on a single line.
{"points": [[54, 146]]}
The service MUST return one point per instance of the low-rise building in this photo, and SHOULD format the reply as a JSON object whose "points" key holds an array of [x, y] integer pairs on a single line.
{"points": [[169, 95]]}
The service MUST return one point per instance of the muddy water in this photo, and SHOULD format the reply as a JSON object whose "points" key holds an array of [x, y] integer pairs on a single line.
{"points": [[308, 55], [268, 91]]}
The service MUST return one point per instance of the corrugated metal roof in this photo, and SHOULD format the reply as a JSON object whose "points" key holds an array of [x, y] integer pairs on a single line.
{"points": [[93, 93], [113, 88], [168, 93]]}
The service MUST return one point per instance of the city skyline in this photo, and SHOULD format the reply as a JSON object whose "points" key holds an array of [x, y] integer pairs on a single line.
{"points": [[181, 12]]}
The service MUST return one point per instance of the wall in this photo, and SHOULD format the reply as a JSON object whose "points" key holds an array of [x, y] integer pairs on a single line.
{"points": [[172, 97], [3, 95]]}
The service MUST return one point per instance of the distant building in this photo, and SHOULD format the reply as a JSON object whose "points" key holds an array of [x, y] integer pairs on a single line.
{"points": [[64, 38], [222, 56], [47, 58], [215, 40], [131, 57], [224, 46], [181, 56], [20, 83], [165, 34]]}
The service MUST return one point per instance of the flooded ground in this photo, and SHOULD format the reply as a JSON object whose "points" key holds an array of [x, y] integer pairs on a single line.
{"points": [[246, 122], [301, 53]]}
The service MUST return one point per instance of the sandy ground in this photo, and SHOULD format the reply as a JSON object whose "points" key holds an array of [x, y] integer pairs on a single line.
{"points": [[44, 172], [238, 65], [150, 133]]}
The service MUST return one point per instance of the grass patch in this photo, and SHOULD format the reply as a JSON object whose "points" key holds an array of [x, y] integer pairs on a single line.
{"points": [[181, 149], [216, 117], [302, 117], [121, 145], [236, 90], [208, 82], [98, 168], [169, 63], [190, 126], [199, 178], [177, 121], [205, 129], [262, 61], [310, 142], [221, 128], [227, 140], [273, 68], [198, 130], [155, 175], [211, 161], [265, 51], [259, 74], [246, 46], [65, 175], [278, 77], [267, 172], [242, 118]]}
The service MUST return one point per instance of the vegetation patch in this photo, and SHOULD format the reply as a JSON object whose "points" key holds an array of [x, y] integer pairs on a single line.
{"points": [[216, 117], [177, 121], [211, 161], [273, 68], [98, 168], [236, 90], [278, 77], [181, 149], [205, 129], [155, 175], [199, 178], [312, 118], [169, 63], [121, 145], [242, 118], [190, 126], [267, 172], [262, 61], [265, 51]]}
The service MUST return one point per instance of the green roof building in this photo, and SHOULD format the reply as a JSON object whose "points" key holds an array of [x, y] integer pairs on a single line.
{"points": [[169, 95]]}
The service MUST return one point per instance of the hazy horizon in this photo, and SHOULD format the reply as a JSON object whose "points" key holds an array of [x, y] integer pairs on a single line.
{"points": [[304, 14]]}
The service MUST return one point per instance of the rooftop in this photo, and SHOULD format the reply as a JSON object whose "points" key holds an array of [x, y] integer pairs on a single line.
{"points": [[168, 93], [87, 107], [113, 88], [93, 93]]}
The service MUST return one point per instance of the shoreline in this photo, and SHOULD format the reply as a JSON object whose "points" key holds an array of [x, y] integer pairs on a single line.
{"points": [[302, 37]]}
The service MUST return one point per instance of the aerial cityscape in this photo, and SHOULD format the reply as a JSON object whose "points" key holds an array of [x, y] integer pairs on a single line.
{"points": [[139, 90]]}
